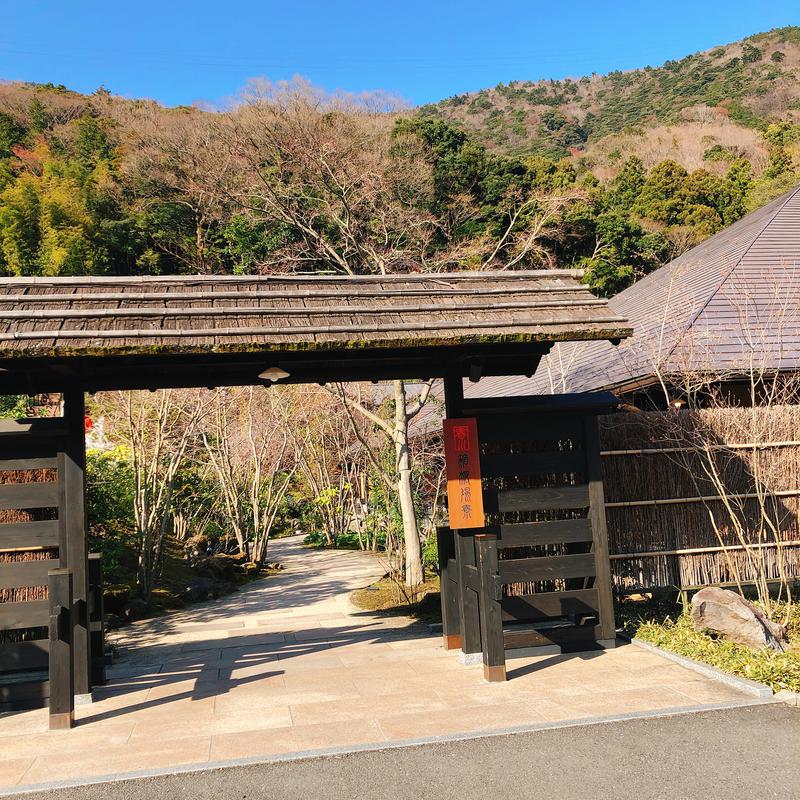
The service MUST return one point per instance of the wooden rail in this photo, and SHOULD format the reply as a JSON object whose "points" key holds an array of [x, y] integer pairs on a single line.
{"points": [[61, 661], [667, 501]]}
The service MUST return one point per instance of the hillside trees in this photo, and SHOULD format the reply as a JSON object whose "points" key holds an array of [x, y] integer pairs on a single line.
{"points": [[61, 212], [354, 199]]}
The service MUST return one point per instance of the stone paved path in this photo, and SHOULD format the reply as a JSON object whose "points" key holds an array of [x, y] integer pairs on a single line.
{"points": [[289, 665]]}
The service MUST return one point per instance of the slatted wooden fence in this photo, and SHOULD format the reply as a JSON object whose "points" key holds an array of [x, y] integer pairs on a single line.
{"points": [[538, 573], [42, 540], [31, 544]]}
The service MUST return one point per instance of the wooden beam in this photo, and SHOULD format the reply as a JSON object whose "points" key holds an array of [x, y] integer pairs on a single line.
{"points": [[24, 464], [19, 656], [449, 588], [529, 607], [61, 662], [597, 515], [532, 534], [547, 568], [28, 495], [23, 535], [21, 574], [504, 465], [494, 657], [72, 512], [30, 614], [571, 638], [468, 600], [545, 499]]}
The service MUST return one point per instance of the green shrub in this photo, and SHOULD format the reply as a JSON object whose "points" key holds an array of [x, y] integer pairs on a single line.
{"points": [[777, 670]]}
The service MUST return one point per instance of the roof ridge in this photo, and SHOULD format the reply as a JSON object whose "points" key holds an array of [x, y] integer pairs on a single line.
{"points": [[715, 291]]}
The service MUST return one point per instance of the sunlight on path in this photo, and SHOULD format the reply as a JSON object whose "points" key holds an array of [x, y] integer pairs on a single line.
{"points": [[289, 665]]}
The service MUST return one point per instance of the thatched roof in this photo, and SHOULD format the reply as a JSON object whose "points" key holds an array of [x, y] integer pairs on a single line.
{"points": [[54, 316], [151, 332], [730, 302]]}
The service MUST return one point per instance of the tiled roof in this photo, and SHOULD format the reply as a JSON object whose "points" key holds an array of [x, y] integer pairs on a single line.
{"points": [[730, 302]]}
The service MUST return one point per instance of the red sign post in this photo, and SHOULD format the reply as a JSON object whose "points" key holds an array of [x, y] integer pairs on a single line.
{"points": [[462, 461]]}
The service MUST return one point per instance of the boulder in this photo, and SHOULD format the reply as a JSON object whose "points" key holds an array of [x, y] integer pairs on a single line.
{"points": [[730, 615], [136, 608], [199, 589]]}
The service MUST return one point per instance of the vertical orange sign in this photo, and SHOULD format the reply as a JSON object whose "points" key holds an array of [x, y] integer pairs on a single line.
{"points": [[462, 461]]}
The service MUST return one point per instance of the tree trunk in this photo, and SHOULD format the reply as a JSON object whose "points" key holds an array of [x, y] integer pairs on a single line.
{"points": [[413, 549]]}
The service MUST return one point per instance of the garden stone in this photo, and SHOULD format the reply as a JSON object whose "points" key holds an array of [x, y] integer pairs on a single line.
{"points": [[199, 589], [727, 613], [136, 608]]}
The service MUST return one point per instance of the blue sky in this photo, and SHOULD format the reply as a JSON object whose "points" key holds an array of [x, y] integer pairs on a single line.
{"points": [[182, 52]]}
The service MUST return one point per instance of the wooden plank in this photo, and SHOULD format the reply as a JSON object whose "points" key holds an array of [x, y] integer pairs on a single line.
{"points": [[15, 656], [529, 428], [529, 607], [39, 426], [597, 515], [32, 614], [544, 499], [570, 638], [18, 535], [19, 574], [517, 570], [24, 447], [538, 405], [449, 588], [28, 495], [468, 601], [494, 657], [24, 694], [16, 464], [531, 534], [61, 662], [500, 465], [453, 394], [72, 511], [96, 620]]}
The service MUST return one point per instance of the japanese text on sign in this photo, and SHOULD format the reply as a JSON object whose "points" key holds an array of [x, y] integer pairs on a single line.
{"points": [[462, 459]]}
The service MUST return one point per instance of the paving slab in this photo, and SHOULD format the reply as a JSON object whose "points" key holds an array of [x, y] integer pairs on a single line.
{"points": [[288, 664]]}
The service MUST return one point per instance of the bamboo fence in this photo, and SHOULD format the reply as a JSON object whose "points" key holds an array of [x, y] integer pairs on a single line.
{"points": [[660, 501]]}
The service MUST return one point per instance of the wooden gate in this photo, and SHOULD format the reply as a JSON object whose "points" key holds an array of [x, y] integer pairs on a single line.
{"points": [[538, 572], [42, 528]]}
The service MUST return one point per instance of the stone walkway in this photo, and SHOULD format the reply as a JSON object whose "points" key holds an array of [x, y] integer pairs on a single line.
{"points": [[289, 665]]}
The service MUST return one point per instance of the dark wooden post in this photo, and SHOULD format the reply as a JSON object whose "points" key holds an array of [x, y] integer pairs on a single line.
{"points": [[73, 516], [469, 584], [597, 513], [96, 623], [494, 654], [449, 588], [453, 395], [62, 685]]}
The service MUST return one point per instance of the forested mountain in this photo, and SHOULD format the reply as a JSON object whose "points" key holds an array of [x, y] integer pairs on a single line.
{"points": [[737, 88], [615, 174]]}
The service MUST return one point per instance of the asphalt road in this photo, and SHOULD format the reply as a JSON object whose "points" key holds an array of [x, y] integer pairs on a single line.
{"points": [[751, 752]]}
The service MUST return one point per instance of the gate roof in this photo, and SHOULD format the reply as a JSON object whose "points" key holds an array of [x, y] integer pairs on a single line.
{"points": [[118, 332]]}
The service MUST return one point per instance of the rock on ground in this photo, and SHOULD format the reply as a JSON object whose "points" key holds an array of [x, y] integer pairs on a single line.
{"points": [[729, 614]]}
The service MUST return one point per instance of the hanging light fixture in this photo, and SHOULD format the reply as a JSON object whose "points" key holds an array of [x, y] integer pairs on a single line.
{"points": [[273, 374]]}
